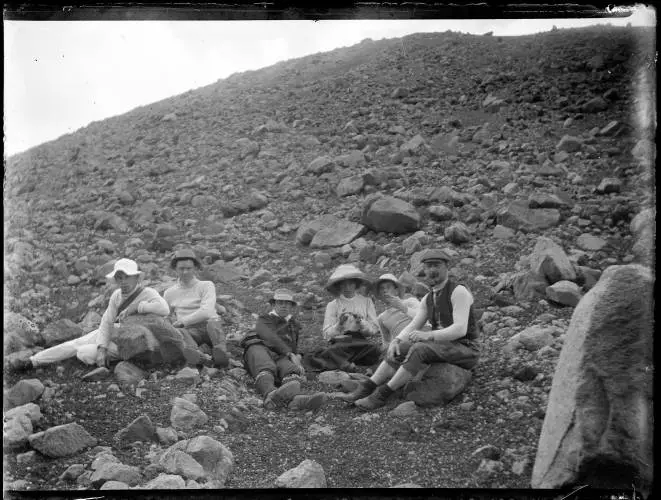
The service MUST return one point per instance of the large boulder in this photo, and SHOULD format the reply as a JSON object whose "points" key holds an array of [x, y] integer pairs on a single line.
{"points": [[518, 216], [60, 331], [598, 428], [336, 233], [390, 215], [308, 229], [307, 474], [216, 460], [643, 227], [548, 259], [22, 392], [438, 385], [149, 347], [19, 332], [529, 286], [136, 342], [141, 429], [62, 440], [186, 415]]}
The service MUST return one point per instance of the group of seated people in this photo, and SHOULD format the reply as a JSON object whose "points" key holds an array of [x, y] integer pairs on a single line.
{"points": [[397, 339]]}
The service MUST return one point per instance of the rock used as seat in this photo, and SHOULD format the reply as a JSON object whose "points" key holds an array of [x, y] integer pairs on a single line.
{"points": [[437, 385]]}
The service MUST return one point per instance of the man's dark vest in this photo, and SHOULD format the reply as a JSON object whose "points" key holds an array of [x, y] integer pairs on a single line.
{"points": [[441, 315]]}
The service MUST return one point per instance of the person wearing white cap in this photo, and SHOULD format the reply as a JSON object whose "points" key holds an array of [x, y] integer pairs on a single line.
{"points": [[271, 356], [96, 347], [350, 323]]}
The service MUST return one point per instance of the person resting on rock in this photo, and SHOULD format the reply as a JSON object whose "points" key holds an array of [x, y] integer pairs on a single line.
{"points": [[96, 347], [350, 324], [193, 303], [400, 309], [271, 356], [453, 338]]}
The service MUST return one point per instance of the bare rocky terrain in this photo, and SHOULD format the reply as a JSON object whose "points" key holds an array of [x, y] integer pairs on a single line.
{"points": [[496, 148]]}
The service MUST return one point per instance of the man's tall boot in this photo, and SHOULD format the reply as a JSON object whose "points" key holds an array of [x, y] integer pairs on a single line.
{"points": [[264, 383], [218, 343]]}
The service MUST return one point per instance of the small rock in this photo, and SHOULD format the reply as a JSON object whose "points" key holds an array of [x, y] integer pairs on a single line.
{"points": [[308, 474]]}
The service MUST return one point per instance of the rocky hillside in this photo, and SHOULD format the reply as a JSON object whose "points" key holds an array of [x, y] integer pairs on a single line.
{"points": [[367, 154]]}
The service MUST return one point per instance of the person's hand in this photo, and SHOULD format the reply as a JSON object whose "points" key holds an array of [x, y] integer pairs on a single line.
{"points": [[102, 357], [393, 349], [419, 336], [297, 360], [178, 324]]}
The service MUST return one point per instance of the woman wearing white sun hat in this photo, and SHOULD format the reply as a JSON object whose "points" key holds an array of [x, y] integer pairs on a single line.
{"points": [[95, 347], [400, 309]]}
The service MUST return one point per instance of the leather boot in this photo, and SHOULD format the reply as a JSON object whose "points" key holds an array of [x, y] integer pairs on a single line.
{"points": [[281, 396], [218, 343], [364, 389], [375, 400], [264, 383]]}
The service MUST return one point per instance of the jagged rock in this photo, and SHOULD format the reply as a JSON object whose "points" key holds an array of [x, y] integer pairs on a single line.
{"points": [[178, 462], [564, 292], [60, 331], [609, 185], [141, 429], [19, 332], [518, 216], [587, 277], [569, 144], [307, 230], [457, 233], [261, 276], [114, 485], [545, 200], [336, 233], [166, 482], [438, 385], [492, 104], [222, 272], [405, 409], [440, 212], [350, 185], [72, 472], [391, 215], [308, 474], [16, 430], [595, 105], [106, 221], [532, 338], [590, 243], [216, 459], [351, 160], [643, 227], [30, 410], [128, 374], [529, 286], [503, 233], [321, 165], [23, 392], [599, 415], [413, 144], [115, 471], [103, 458], [186, 415], [320, 430], [166, 435], [549, 260], [62, 440]]}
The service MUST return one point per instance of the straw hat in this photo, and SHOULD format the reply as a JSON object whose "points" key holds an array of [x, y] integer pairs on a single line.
{"points": [[127, 266], [283, 294], [388, 277], [346, 272], [185, 254]]}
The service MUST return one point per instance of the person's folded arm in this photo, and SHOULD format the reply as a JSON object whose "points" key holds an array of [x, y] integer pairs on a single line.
{"points": [[331, 320], [416, 323], [154, 304], [107, 320]]}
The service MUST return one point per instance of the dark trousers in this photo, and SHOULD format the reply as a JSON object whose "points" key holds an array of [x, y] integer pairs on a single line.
{"points": [[346, 350], [414, 357], [259, 358], [206, 332]]}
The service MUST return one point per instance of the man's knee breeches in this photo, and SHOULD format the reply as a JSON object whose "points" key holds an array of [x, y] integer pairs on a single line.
{"points": [[259, 358], [420, 354]]}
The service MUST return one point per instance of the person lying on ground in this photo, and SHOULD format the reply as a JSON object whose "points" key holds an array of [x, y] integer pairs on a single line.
{"points": [[400, 309], [453, 338], [128, 299], [193, 303], [271, 356], [350, 323]]}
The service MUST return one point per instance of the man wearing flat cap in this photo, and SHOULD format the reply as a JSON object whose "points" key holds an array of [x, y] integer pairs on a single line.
{"points": [[271, 356], [194, 304], [96, 347], [452, 339]]}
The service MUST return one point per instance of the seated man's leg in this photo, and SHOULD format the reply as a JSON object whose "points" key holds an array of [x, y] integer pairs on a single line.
{"points": [[288, 372], [64, 350], [384, 371], [261, 366], [193, 335], [219, 346]]}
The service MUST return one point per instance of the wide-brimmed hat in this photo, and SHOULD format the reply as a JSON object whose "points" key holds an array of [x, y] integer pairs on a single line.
{"points": [[346, 272], [435, 254], [283, 294], [388, 277], [185, 254], [127, 266]]}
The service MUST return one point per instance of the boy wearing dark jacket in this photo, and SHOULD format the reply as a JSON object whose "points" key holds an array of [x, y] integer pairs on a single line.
{"points": [[270, 356]]}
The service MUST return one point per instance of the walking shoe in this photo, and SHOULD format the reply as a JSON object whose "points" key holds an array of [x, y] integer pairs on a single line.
{"points": [[375, 400], [20, 365], [311, 402], [281, 396], [364, 389]]}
